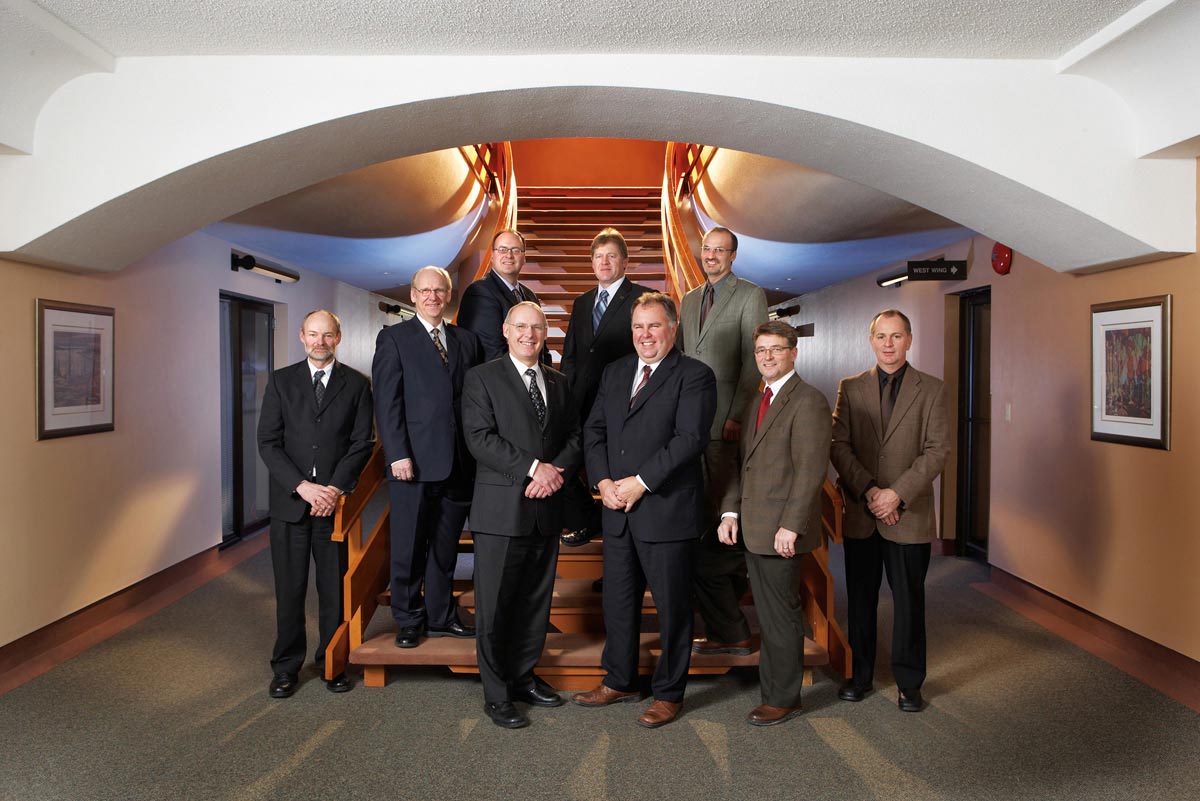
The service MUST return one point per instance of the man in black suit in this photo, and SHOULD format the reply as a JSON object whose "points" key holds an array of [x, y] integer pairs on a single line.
{"points": [[524, 434], [486, 302], [597, 335], [418, 372], [315, 437], [643, 444]]}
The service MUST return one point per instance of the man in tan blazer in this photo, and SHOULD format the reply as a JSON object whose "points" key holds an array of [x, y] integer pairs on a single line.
{"points": [[889, 444], [775, 504], [717, 324]]}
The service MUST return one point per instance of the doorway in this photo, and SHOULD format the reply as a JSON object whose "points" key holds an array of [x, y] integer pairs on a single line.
{"points": [[974, 422], [247, 359]]}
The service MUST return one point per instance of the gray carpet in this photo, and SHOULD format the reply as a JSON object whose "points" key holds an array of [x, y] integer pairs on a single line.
{"points": [[176, 708]]}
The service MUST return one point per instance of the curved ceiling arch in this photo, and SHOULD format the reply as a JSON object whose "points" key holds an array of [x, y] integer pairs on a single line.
{"points": [[171, 205]]}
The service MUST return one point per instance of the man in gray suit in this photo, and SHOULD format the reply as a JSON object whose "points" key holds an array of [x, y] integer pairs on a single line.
{"points": [[889, 444], [717, 327], [776, 506], [523, 431]]}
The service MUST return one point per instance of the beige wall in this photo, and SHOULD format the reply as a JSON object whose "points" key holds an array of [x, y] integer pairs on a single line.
{"points": [[88, 516], [1101, 525]]}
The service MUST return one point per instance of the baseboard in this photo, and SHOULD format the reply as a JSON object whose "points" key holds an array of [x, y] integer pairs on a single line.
{"points": [[1169, 672], [49, 646], [943, 547]]}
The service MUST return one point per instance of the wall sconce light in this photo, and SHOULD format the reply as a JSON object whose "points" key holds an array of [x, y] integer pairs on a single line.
{"points": [[894, 279], [398, 309], [244, 261]]}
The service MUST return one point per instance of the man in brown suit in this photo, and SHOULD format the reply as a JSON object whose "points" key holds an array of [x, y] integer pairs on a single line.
{"points": [[889, 444], [775, 504]]}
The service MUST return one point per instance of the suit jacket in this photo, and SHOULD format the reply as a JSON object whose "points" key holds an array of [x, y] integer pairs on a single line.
{"points": [[485, 304], [726, 344], [504, 436], [294, 434], [418, 400], [660, 437], [783, 467], [586, 354], [907, 457]]}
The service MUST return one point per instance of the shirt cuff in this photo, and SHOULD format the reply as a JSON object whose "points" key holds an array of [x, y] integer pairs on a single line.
{"points": [[734, 515], [533, 468], [643, 483]]}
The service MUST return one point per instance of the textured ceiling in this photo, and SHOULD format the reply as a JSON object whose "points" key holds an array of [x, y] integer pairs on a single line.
{"points": [[854, 28]]}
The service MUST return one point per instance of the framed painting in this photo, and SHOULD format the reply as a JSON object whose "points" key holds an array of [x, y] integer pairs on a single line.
{"points": [[74, 369], [1131, 372]]}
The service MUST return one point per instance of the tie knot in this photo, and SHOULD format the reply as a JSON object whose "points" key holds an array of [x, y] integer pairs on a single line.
{"points": [[767, 393], [603, 294], [646, 370], [317, 376], [531, 373]]}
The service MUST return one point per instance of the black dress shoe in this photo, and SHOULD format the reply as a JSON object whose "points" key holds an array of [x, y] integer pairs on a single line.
{"points": [[854, 692], [910, 701], [505, 715], [455, 629], [340, 683], [598, 585], [284, 685], [537, 696], [580, 536], [408, 637]]}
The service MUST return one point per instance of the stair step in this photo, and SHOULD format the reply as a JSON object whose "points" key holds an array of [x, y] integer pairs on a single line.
{"points": [[569, 661], [589, 191], [589, 201]]}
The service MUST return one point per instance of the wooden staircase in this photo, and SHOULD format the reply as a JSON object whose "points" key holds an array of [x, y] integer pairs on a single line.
{"points": [[559, 222]]}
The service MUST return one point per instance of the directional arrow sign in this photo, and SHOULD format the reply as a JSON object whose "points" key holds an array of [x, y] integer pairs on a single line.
{"points": [[939, 270]]}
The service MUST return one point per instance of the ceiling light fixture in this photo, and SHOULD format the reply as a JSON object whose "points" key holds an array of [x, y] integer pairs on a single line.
{"points": [[244, 261], [892, 280]]}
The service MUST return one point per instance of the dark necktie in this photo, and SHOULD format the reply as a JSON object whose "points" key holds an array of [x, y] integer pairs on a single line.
{"points": [[763, 406], [535, 395], [887, 400], [707, 303], [441, 349], [599, 308], [517, 293], [645, 377], [318, 386]]}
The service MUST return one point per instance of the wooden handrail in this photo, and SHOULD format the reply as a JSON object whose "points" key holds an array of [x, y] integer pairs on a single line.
{"points": [[367, 565], [683, 271], [503, 186]]}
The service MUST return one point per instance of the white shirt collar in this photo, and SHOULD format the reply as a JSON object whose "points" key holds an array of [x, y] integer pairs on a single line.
{"points": [[611, 289], [778, 385], [312, 371], [521, 367], [503, 280], [441, 327]]}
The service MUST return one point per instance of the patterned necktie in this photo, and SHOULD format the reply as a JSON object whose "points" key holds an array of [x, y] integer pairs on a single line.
{"points": [[763, 406], [645, 377], [599, 309], [441, 349], [318, 386], [535, 395], [707, 303], [517, 293], [887, 400]]}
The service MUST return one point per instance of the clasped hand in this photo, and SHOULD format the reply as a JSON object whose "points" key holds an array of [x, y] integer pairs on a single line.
{"points": [[321, 497], [546, 480], [621, 495], [884, 504]]}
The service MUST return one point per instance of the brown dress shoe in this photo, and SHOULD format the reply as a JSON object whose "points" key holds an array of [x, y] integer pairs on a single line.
{"points": [[604, 695], [660, 713], [739, 648], [766, 715]]}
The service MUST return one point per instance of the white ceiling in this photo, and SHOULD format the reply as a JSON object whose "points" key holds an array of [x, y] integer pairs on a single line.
{"points": [[1000, 29]]}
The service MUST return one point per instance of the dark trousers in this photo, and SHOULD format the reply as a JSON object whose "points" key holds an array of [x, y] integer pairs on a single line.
{"points": [[906, 566], [668, 569], [514, 582], [426, 523], [291, 546], [776, 585], [720, 569]]}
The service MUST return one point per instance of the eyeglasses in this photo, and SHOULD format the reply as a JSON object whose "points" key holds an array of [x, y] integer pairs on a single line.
{"points": [[774, 350], [503, 251], [439, 291], [521, 328], [716, 251]]}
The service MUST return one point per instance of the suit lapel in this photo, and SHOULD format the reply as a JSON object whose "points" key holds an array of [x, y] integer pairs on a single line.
{"points": [[909, 387], [774, 411], [868, 389], [503, 292], [337, 380], [724, 297], [657, 379]]}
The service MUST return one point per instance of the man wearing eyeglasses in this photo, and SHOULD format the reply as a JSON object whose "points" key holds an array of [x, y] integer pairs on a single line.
{"points": [[717, 327], [597, 335], [773, 507], [418, 375], [523, 432], [486, 302]]}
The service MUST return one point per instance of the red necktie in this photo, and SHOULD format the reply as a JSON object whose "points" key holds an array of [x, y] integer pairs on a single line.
{"points": [[645, 377], [763, 405]]}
